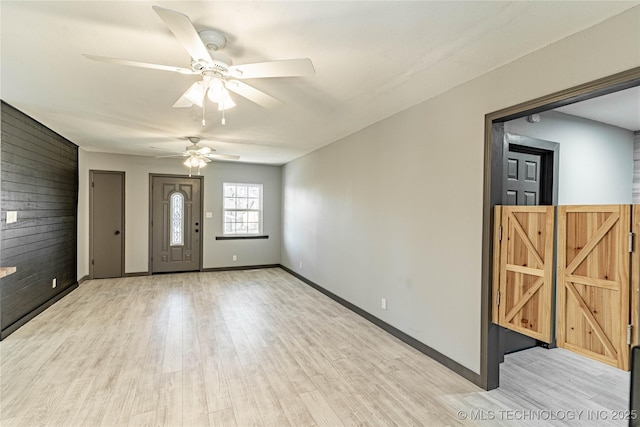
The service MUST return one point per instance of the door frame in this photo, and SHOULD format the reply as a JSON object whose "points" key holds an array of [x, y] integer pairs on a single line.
{"points": [[492, 195], [92, 173], [166, 175]]}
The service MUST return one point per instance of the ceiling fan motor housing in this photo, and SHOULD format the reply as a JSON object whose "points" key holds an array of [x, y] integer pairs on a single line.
{"points": [[220, 63]]}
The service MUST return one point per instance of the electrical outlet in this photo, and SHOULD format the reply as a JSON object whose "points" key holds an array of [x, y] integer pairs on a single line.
{"points": [[12, 216], [54, 283], [383, 303], [235, 257], [300, 265]]}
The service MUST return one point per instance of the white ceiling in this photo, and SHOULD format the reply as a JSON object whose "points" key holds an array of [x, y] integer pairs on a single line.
{"points": [[372, 59], [620, 109]]}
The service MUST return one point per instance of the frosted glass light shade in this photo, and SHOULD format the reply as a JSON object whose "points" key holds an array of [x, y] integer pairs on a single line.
{"points": [[195, 162], [216, 91], [226, 102]]}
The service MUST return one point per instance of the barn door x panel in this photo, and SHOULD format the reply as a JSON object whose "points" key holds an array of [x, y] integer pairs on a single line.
{"points": [[593, 281], [525, 260]]}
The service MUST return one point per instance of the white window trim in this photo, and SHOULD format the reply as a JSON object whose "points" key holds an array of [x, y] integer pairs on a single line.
{"points": [[260, 211]]}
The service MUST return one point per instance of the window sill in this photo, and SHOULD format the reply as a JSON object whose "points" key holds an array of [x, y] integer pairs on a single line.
{"points": [[242, 237]]}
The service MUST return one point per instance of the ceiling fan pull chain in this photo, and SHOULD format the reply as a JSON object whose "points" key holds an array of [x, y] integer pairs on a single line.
{"points": [[224, 122]]}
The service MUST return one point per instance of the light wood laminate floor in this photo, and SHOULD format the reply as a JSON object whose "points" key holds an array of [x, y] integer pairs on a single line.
{"points": [[245, 348], [540, 387]]}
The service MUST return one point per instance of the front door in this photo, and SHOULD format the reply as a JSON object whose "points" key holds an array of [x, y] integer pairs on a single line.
{"points": [[176, 223], [107, 224]]}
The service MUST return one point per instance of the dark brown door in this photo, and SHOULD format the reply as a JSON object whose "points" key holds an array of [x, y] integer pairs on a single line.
{"points": [[175, 223], [107, 224]]}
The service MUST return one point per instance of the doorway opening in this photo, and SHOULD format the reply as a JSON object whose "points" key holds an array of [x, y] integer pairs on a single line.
{"points": [[494, 191]]}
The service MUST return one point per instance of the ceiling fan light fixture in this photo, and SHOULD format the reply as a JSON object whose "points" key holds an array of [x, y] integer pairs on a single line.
{"points": [[189, 162], [195, 162], [216, 91]]}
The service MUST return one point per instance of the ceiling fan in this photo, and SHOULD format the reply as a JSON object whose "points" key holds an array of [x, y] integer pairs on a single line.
{"points": [[198, 156], [219, 75]]}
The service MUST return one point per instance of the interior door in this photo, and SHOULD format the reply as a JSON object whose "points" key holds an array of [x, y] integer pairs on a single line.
{"points": [[522, 184], [593, 281], [176, 223], [525, 286], [107, 224]]}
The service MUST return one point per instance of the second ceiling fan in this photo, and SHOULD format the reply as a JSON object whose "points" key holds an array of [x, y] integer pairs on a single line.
{"points": [[197, 156], [219, 75]]}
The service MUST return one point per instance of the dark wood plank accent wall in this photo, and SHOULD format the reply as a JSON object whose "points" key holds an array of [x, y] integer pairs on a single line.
{"points": [[39, 179]]}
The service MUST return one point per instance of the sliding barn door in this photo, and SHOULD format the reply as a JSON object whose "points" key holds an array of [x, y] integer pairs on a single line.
{"points": [[525, 272], [593, 282]]}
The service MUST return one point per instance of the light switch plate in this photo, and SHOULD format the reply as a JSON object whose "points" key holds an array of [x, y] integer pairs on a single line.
{"points": [[12, 216]]}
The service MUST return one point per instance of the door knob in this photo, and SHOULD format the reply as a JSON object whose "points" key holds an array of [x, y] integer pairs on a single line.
{"points": [[117, 232]]}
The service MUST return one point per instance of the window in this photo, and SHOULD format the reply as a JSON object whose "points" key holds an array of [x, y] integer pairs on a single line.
{"points": [[242, 208], [177, 223]]}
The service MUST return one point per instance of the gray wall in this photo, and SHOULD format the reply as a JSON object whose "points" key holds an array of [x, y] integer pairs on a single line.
{"points": [[216, 253], [596, 159], [395, 210]]}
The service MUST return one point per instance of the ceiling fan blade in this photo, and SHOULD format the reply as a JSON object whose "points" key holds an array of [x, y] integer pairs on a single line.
{"points": [[205, 150], [139, 64], [283, 68], [181, 27], [184, 101], [223, 156], [252, 94], [173, 155], [165, 149]]}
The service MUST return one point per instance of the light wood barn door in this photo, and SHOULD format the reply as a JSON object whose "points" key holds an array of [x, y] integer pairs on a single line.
{"points": [[593, 282], [526, 270], [635, 280]]}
